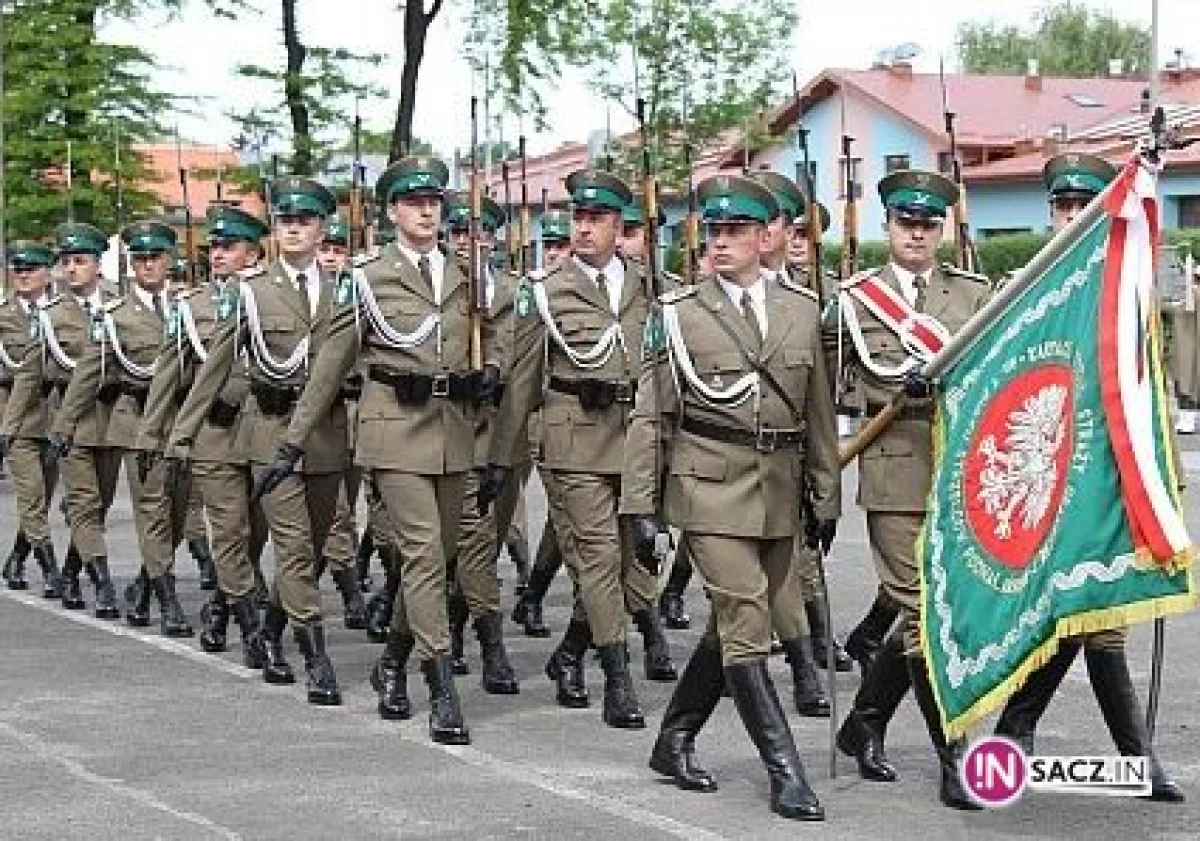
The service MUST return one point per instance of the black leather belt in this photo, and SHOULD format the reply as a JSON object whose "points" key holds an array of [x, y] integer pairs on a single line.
{"points": [[352, 390], [763, 440], [222, 413], [108, 393], [275, 400], [137, 392], [596, 394], [413, 389], [906, 412]]}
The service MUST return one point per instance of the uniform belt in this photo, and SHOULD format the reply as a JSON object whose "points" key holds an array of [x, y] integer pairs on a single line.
{"points": [[762, 440], [906, 412], [108, 393], [137, 392], [413, 389], [275, 400], [596, 394], [222, 413], [352, 390]]}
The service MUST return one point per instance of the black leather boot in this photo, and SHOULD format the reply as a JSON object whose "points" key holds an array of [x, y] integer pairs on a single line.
{"points": [[14, 567], [949, 754], [381, 605], [565, 666], [814, 609], [862, 733], [1108, 671], [106, 593], [657, 663], [518, 553], [621, 707], [670, 603], [322, 682], [446, 724], [362, 559], [261, 594], [810, 697], [389, 678], [763, 717], [691, 704], [498, 675], [173, 621], [458, 614], [1026, 706], [214, 623], [867, 638], [527, 612], [245, 614], [276, 669], [137, 601], [72, 593], [204, 562], [354, 609], [52, 583]]}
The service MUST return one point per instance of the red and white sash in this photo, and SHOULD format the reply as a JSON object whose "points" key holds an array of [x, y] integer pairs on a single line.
{"points": [[921, 335]]}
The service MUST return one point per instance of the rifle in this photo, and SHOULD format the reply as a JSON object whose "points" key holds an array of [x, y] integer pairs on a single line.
{"points": [[478, 287], [510, 246], [122, 277], [966, 256], [357, 223], [849, 263], [691, 226], [804, 178], [70, 185], [525, 240], [189, 243], [268, 191], [545, 210]]}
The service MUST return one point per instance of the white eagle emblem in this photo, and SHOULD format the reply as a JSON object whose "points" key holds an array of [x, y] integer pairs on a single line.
{"points": [[1020, 479]]}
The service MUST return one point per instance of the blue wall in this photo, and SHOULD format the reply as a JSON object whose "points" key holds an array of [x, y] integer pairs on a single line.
{"points": [[1008, 206]]}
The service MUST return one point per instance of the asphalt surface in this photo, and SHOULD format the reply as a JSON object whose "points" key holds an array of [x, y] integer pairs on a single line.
{"points": [[106, 732]]}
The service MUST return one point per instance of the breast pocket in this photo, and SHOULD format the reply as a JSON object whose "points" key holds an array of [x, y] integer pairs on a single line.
{"points": [[708, 467], [798, 364]]}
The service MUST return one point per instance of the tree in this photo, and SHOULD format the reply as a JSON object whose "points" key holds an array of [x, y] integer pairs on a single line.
{"points": [[417, 20], [1067, 39]]}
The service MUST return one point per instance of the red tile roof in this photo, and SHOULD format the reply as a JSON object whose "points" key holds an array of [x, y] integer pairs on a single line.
{"points": [[1028, 166]]}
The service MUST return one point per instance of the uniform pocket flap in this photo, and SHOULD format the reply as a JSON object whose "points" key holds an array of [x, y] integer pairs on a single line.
{"points": [[798, 357], [277, 323], [721, 363], [699, 465]]}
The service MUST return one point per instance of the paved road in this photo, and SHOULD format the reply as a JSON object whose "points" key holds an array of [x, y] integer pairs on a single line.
{"points": [[110, 733]]}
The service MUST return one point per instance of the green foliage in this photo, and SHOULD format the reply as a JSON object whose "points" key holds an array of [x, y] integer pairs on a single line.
{"points": [[1066, 38]]}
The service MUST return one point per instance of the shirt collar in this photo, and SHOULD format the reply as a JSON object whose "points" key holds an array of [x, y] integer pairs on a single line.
{"points": [[146, 297], [614, 270], [413, 256], [311, 272], [757, 290]]}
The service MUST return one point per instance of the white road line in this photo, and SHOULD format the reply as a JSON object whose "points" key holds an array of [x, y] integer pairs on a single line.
{"points": [[76, 769]]}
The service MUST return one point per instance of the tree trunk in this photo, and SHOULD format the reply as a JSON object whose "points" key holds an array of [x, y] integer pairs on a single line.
{"points": [[293, 93], [75, 129], [416, 29]]}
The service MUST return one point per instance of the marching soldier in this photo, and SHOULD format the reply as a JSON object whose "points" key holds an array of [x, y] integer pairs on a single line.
{"points": [[333, 254], [272, 314], [24, 441], [897, 468], [578, 326], [219, 474], [752, 412], [125, 339], [1073, 180], [87, 465]]}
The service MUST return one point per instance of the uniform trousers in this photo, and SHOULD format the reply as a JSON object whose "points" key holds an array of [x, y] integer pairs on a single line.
{"points": [[89, 476], [33, 487]]}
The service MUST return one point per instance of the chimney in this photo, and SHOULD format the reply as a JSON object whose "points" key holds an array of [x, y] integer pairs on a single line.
{"points": [[1116, 67], [901, 68], [1033, 78]]}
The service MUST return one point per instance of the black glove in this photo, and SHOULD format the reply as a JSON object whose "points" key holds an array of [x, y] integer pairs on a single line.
{"points": [[819, 534], [490, 486], [176, 476], [281, 466], [56, 449], [646, 528], [145, 463], [489, 384], [917, 386], [5, 446]]}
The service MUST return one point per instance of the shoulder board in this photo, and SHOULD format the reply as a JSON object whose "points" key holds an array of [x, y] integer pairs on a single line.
{"points": [[955, 271], [367, 257], [676, 295], [52, 301], [184, 294], [538, 275], [791, 285], [253, 271], [859, 278], [114, 305]]}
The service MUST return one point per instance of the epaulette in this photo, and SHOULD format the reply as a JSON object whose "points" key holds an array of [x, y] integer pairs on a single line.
{"points": [[854, 280], [367, 257], [51, 302], [677, 295], [184, 294], [113, 305], [539, 275], [253, 271], [955, 271], [791, 285]]}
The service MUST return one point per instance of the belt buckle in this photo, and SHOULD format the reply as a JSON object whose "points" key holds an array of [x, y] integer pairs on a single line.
{"points": [[441, 385], [766, 440], [624, 392]]}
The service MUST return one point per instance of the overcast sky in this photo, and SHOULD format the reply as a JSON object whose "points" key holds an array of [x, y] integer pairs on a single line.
{"points": [[198, 54]]}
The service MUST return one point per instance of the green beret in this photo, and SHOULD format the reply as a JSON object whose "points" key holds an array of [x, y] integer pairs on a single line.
{"points": [[337, 230], [179, 268], [78, 238], [802, 216], [735, 198], [787, 194], [634, 215], [25, 253], [556, 226], [294, 196], [916, 193], [458, 212], [226, 222], [414, 174], [597, 189], [148, 237], [1077, 174]]}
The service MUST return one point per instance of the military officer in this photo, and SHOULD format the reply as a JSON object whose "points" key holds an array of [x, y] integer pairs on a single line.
{"points": [[24, 441], [219, 474], [333, 254], [1073, 180], [752, 412], [1187, 355], [272, 313], [87, 466], [896, 469], [405, 315]]}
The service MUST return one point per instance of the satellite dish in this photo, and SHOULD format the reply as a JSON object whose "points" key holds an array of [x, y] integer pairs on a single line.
{"points": [[906, 51]]}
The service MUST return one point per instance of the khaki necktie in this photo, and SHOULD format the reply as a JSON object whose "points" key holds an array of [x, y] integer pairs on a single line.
{"points": [[302, 286], [751, 319], [602, 285], [426, 272], [921, 285], [158, 305]]}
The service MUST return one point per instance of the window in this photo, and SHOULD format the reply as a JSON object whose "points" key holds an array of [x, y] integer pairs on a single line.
{"points": [[891, 163], [1189, 211], [1084, 101]]}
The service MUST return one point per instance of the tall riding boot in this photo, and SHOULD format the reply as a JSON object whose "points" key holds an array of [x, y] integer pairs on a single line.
{"points": [[276, 669], [14, 567], [322, 682], [621, 707], [658, 663], [670, 603], [814, 609], [1026, 706], [811, 700], [261, 593], [245, 614], [949, 754], [883, 688], [137, 601], [214, 623], [379, 609], [174, 622], [565, 666], [498, 676], [362, 559], [52, 583], [106, 593], [354, 609], [867, 638], [459, 615], [528, 609], [389, 678], [518, 553], [763, 717], [694, 699], [72, 593], [204, 562], [1108, 671], [446, 724]]}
